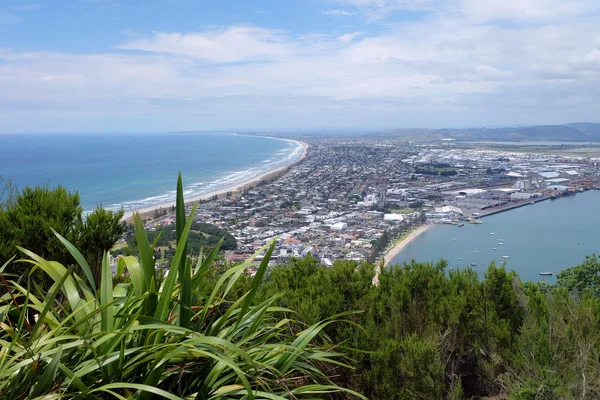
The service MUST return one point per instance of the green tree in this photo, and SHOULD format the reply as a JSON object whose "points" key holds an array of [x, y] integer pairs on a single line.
{"points": [[98, 234], [29, 220], [581, 277]]}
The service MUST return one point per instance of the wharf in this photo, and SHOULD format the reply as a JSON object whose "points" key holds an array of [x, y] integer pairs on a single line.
{"points": [[513, 206]]}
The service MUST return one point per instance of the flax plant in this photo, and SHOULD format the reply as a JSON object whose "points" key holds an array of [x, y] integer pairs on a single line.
{"points": [[151, 338]]}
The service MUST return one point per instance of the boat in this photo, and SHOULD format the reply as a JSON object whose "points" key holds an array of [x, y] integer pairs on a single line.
{"points": [[492, 233], [460, 258], [453, 238], [460, 225], [500, 243], [473, 265], [507, 257], [476, 251], [546, 273], [494, 248]]}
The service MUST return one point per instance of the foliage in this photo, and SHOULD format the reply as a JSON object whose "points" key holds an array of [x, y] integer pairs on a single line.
{"points": [[29, 219], [97, 235], [427, 333], [201, 235], [209, 332], [150, 339], [581, 277], [29, 222]]}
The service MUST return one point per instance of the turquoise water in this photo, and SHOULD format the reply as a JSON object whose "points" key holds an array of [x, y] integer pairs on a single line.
{"points": [[134, 171], [547, 236]]}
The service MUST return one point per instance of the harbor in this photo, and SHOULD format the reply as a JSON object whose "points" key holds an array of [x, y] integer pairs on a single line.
{"points": [[528, 239]]}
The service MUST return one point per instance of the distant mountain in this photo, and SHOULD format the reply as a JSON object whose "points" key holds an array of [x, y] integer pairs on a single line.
{"points": [[575, 132], [590, 129]]}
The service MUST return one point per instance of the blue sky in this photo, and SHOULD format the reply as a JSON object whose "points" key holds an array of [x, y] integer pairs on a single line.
{"points": [[163, 65]]}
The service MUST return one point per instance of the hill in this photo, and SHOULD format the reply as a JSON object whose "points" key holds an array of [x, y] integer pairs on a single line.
{"points": [[574, 132]]}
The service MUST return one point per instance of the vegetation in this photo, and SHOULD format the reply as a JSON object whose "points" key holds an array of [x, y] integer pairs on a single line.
{"points": [[201, 236], [31, 218], [208, 331], [428, 333], [142, 338]]}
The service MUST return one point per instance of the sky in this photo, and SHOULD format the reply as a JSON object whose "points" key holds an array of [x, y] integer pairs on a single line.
{"points": [[171, 65]]}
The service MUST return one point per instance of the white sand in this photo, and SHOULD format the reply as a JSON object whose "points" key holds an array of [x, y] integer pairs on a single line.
{"points": [[389, 256]]}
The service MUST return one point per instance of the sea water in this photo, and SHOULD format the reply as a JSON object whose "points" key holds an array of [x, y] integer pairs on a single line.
{"points": [[134, 171], [548, 236]]}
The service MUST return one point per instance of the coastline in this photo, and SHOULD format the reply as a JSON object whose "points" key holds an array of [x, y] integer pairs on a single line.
{"points": [[394, 251], [234, 188], [397, 249]]}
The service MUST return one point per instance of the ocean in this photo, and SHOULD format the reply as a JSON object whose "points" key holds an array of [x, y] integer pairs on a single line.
{"points": [[135, 171], [548, 236]]}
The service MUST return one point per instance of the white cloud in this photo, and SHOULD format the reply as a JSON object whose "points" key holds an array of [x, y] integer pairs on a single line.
{"points": [[349, 37], [338, 13], [464, 68], [234, 44], [377, 9], [527, 9]]}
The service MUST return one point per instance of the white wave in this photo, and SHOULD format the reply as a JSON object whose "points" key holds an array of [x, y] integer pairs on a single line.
{"points": [[282, 157]]}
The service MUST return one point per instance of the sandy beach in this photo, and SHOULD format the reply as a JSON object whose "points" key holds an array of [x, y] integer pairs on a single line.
{"points": [[389, 256], [235, 188]]}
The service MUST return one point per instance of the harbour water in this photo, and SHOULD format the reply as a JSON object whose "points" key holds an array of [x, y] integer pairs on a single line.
{"points": [[136, 171], [548, 236]]}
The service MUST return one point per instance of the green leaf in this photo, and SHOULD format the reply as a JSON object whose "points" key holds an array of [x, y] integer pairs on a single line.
{"points": [[79, 258], [185, 295], [143, 388], [106, 295], [48, 302], [144, 250], [256, 282], [137, 275], [120, 268], [164, 302], [48, 376]]}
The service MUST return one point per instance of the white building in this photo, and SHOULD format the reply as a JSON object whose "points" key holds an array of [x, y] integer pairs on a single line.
{"points": [[393, 217], [549, 175], [522, 185], [449, 211], [340, 226]]}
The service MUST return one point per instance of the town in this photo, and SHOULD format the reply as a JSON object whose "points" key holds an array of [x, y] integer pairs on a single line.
{"points": [[352, 199]]}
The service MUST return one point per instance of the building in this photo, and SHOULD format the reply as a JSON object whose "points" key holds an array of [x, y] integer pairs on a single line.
{"points": [[449, 211], [522, 185], [340, 226], [393, 217]]}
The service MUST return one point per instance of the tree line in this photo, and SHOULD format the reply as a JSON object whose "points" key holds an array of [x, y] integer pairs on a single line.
{"points": [[29, 218], [429, 333]]}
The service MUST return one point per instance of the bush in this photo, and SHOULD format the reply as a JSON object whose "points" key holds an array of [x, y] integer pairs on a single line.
{"points": [[144, 339]]}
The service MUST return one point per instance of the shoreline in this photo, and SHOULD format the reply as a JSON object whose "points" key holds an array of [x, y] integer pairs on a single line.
{"points": [[397, 249], [234, 188], [394, 251]]}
